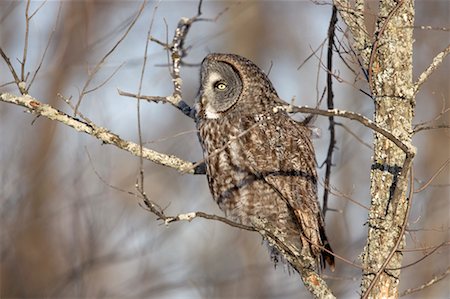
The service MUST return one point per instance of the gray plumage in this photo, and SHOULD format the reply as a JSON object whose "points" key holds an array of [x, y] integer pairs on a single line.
{"points": [[260, 163]]}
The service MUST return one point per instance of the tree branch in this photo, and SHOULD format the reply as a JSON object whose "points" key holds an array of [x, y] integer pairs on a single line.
{"points": [[330, 105], [40, 109], [354, 19], [437, 61]]}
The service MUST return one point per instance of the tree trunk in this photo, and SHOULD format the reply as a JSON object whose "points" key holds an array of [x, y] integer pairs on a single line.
{"points": [[390, 75]]}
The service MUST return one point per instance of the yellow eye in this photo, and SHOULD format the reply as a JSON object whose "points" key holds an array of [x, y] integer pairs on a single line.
{"points": [[220, 86]]}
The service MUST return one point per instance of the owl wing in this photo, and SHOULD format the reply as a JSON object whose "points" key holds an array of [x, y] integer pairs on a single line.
{"points": [[288, 165]]}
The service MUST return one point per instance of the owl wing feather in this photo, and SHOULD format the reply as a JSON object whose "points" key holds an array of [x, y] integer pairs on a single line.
{"points": [[288, 166]]}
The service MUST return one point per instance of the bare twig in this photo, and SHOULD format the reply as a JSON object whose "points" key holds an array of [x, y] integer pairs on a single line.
{"points": [[25, 47], [312, 54], [419, 260], [333, 190], [21, 85], [106, 80], [424, 186], [140, 185], [180, 105], [434, 280], [98, 66], [429, 28], [330, 105], [348, 130], [47, 46], [37, 9], [446, 243]]}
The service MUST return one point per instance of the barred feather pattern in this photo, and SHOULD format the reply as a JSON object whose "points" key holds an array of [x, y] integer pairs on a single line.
{"points": [[260, 163]]}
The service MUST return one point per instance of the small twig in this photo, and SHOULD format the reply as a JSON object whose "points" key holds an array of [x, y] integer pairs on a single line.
{"points": [[312, 54], [333, 190], [106, 80], [47, 46], [140, 185], [419, 260], [25, 47], [190, 216], [180, 105], [424, 186], [446, 243], [434, 280], [98, 66], [429, 28], [354, 135], [17, 80], [37, 9]]}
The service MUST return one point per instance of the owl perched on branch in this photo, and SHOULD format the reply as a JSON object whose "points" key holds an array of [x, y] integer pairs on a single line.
{"points": [[260, 163]]}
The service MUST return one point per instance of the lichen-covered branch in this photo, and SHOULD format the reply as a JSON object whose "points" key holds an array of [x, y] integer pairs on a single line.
{"points": [[354, 19], [41, 109], [437, 61], [311, 279]]}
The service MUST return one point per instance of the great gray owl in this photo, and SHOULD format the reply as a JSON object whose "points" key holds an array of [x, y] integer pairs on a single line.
{"points": [[260, 163]]}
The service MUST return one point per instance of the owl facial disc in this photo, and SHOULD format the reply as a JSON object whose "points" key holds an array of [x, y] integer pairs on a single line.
{"points": [[221, 88]]}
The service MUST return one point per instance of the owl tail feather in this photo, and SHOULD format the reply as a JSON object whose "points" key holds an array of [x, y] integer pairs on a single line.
{"points": [[327, 255]]}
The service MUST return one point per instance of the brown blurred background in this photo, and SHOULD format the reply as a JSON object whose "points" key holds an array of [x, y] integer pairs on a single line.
{"points": [[65, 233]]}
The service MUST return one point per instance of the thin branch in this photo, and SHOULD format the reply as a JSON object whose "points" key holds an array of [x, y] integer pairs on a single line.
{"points": [[446, 243], [25, 47], [330, 105], [352, 116], [354, 135], [106, 80], [37, 9], [437, 61], [434, 280], [424, 186], [333, 190], [419, 260], [429, 28], [426, 125], [312, 54], [21, 85], [47, 46], [102, 61], [190, 216], [107, 137], [180, 105], [140, 185]]}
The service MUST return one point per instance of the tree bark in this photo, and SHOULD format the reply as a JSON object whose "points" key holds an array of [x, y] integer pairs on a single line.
{"points": [[390, 78]]}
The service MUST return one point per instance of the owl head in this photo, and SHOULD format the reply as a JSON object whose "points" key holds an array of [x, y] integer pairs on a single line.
{"points": [[232, 83]]}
